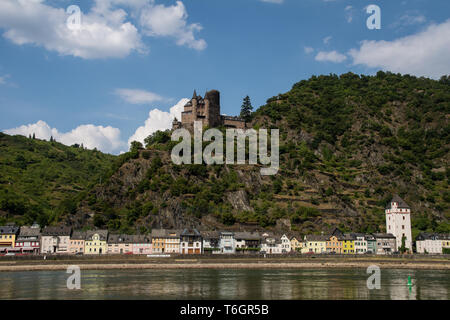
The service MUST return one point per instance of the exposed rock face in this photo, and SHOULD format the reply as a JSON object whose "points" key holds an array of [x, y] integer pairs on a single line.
{"points": [[239, 200]]}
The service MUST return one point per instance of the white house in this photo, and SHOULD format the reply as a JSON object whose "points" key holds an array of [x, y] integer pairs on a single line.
{"points": [[55, 239], [285, 244], [360, 243], [211, 242], [429, 243], [271, 244], [191, 242], [227, 242], [398, 221]]}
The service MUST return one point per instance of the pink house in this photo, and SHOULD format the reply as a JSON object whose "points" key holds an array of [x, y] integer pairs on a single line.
{"points": [[142, 244]]}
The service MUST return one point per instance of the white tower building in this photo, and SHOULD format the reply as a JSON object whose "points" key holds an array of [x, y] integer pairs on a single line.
{"points": [[398, 221]]}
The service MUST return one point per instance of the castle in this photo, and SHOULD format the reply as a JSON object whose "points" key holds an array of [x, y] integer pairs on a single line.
{"points": [[206, 110]]}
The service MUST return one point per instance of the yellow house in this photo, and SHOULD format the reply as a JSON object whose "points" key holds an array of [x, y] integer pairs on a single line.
{"points": [[8, 237], [348, 244], [296, 244], [315, 244], [96, 242]]}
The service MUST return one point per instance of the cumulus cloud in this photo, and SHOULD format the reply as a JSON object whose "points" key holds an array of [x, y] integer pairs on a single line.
{"points": [[158, 120], [171, 21], [137, 96], [422, 54], [326, 40], [102, 34], [106, 139], [105, 31], [330, 56]]}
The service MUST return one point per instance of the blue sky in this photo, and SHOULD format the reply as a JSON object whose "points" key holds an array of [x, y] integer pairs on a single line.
{"points": [[98, 86]]}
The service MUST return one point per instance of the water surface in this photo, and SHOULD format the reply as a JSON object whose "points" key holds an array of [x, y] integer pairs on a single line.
{"points": [[226, 284]]}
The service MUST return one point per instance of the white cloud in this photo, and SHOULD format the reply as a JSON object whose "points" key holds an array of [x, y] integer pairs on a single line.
{"points": [[308, 50], [326, 40], [158, 120], [422, 54], [106, 139], [105, 31], [171, 21], [331, 56], [103, 34], [137, 96]]}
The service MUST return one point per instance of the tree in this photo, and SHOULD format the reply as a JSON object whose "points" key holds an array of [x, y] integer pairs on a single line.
{"points": [[157, 137], [246, 109], [34, 136], [403, 247], [135, 146]]}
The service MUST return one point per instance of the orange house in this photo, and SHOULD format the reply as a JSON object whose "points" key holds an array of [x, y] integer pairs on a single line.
{"points": [[334, 243]]}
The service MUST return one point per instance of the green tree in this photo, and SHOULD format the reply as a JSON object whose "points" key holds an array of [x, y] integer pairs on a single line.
{"points": [[403, 246], [246, 109], [135, 146], [157, 137]]}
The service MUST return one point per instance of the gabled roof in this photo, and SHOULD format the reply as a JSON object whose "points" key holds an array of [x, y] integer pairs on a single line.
{"points": [[207, 235], [165, 233], [57, 231], [247, 236], [103, 234], [120, 238], [78, 235], [29, 232], [348, 237], [141, 238], [9, 230], [191, 232], [400, 203], [430, 236], [337, 233]]}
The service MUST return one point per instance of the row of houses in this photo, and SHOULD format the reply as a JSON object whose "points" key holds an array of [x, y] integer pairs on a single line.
{"points": [[63, 240]]}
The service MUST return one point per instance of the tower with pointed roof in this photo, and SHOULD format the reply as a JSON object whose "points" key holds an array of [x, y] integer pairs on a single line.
{"points": [[398, 221]]}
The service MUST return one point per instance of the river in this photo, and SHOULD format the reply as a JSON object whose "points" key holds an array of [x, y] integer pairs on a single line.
{"points": [[227, 284]]}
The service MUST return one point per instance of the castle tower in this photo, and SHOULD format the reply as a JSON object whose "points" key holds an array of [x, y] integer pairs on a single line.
{"points": [[398, 221], [212, 108]]}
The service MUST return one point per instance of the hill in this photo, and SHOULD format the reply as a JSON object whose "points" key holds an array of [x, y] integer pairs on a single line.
{"points": [[41, 181], [347, 144]]}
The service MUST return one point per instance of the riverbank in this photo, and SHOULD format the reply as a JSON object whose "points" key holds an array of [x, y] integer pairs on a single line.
{"points": [[183, 262]]}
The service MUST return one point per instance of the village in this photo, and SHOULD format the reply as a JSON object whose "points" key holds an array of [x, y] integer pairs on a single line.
{"points": [[62, 240]]}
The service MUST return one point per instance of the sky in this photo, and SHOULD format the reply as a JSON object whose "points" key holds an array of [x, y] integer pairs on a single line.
{"points": [[127, 68]]}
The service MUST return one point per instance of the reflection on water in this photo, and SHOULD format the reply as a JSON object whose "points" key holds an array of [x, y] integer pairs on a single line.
{"points": [[226, 284]]}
